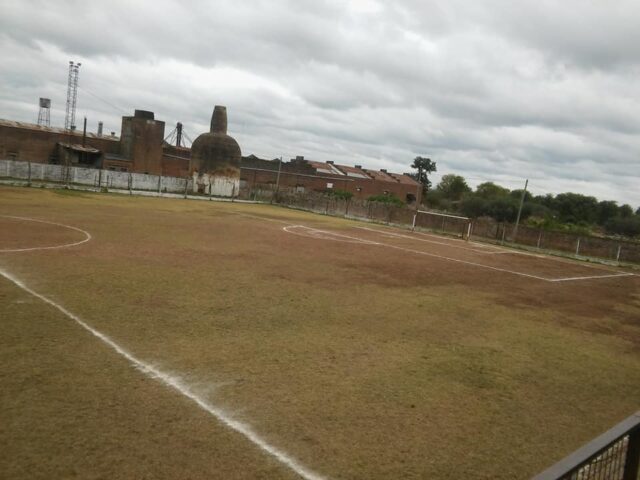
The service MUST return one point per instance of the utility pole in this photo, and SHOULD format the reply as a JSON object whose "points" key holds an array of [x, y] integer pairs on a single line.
{"points": [[524, 193], [179, 134], [277, 179]]}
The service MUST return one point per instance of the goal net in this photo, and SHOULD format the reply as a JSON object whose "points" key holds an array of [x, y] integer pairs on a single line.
{"points": [[442, 222]]}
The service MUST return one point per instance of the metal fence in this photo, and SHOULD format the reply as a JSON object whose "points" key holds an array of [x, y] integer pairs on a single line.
{"points": [[614, 455]]}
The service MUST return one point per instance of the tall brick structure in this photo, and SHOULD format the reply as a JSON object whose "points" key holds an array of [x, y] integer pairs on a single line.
{"points": [[216, 155]]}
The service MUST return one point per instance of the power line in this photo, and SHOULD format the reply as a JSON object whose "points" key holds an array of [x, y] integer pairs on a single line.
{"points": [[118, 109]]}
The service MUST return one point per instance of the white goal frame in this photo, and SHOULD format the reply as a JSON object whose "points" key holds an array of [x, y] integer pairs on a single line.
{"points": [[465, 232]]}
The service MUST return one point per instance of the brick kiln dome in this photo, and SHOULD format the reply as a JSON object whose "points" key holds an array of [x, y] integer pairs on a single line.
{"points": [[216, 152]]}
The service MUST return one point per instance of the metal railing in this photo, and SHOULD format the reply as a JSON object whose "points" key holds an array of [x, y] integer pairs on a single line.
{"points": [[614, 455]]}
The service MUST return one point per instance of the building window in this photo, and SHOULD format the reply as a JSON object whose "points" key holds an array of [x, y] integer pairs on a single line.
{"points": [[358, 189], [329, 185], [299, 188], [12, 155]]}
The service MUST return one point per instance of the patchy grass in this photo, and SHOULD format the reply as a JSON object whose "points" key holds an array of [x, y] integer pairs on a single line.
{"points": [[359, 362]]}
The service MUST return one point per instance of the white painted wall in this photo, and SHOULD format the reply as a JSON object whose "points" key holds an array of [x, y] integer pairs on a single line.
{"points": [[213, 185]]}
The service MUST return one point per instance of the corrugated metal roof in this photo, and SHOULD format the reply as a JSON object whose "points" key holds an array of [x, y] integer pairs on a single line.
{"points": [[353, 171], [404, 179], [378, 175], [324, 167], [61, 131], [79, 148]]}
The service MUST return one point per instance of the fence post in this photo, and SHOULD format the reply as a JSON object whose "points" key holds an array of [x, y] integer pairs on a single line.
{"points": [[504, 230], [539, 239], [633, 456], [210, 190], [186, 186], [233, 191], [130, 181], [618, 253], [413, 224], [99, 179], [159, 185], [29, 179], [578, 247]]}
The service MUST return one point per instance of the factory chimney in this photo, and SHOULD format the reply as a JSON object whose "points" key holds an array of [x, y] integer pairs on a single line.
{"points": [[219, 120]]}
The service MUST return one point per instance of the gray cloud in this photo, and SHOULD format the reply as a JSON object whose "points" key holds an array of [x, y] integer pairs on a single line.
{"points": [[496, 90]]}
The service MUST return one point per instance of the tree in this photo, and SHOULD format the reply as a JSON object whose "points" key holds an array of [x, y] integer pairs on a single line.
{"points": [[576, 208], [626, 211], [425, 167], [517, 194], [453, 186], [488, 190], [629, 226], [607, 210]]}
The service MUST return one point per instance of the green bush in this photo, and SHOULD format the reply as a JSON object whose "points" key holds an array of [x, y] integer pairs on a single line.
{"points": [[388, 199], [341, 194], [627, 226]]}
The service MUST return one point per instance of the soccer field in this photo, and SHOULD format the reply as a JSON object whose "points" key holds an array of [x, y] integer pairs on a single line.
{"points": [[169, 338]]}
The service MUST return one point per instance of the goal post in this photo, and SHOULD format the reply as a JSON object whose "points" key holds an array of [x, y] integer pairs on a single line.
{"points": [[442, 222]]}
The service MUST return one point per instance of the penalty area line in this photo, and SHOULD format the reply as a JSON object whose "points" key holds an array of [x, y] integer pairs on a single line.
{"points": [[592, 277], [177, 385]]}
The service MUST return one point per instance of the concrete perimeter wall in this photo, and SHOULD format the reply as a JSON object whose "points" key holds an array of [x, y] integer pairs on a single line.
{"points": [[109, 179]]}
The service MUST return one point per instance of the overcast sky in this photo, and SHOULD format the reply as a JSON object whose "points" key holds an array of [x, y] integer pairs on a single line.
{"points": [[498, 90]]}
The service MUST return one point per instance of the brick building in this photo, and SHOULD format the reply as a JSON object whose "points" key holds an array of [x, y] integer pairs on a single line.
{"points": [[300, 175], [141, 148]]}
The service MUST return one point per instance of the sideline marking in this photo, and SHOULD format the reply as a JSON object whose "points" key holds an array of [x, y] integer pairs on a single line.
{"points": [[27, 219], [177, 385]]}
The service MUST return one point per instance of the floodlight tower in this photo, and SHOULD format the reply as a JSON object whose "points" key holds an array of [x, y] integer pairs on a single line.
{"points": [[44, 117], [72, 95]]}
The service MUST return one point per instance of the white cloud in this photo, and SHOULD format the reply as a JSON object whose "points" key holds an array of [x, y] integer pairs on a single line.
{"points": [[496, 90]]}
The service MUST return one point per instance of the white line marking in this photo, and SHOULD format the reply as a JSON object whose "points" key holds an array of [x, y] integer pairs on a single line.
{"points": [[568, 279], [13, 250], [419, 252], [263, 218], [399, 235], [466, 262], [443, 257], [180, 387], [327, 235]]}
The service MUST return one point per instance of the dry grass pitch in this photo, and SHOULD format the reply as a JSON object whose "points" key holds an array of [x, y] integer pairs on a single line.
{"points": [[353, 350]]}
